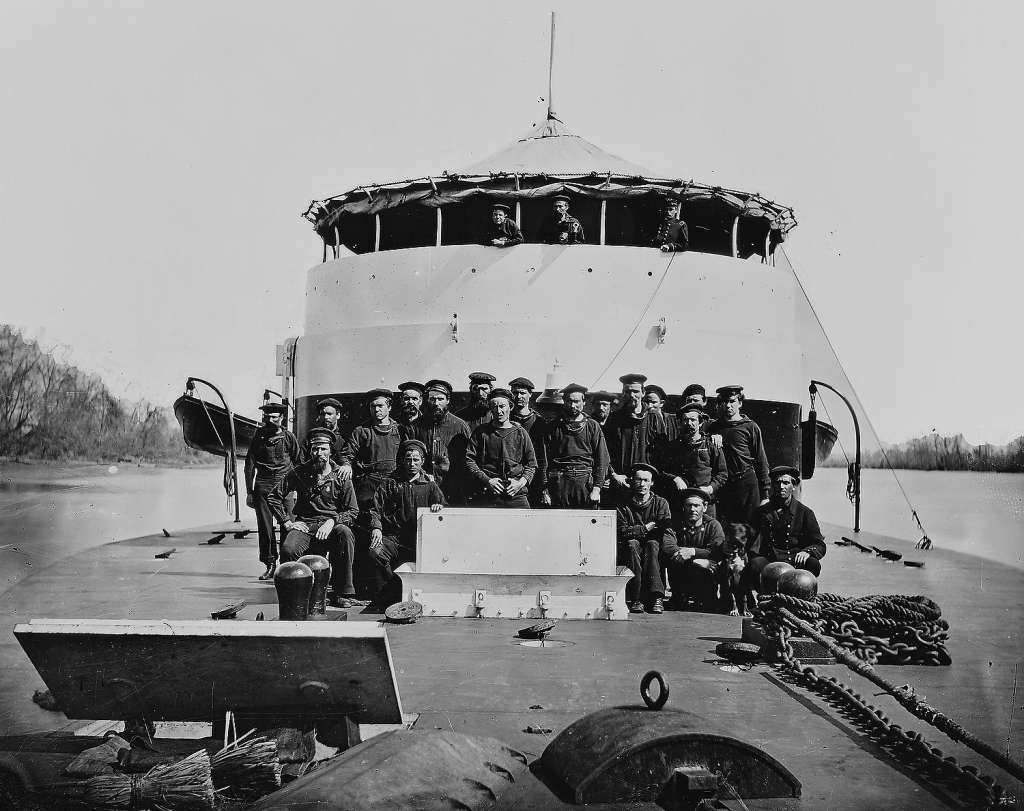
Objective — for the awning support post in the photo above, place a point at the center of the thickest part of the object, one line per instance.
(735, 238)
(437, 240)
(604, 211)
(376, 232)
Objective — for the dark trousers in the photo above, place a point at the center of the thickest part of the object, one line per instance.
(386, 586)
(339, 548)
(520, 501)
(643, 558)
(269, 506)
(694, 578)
(739, 498)
(570, 489)
(758, 562)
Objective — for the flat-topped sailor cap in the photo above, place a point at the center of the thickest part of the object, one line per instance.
(560, 197)
(500, 393)
(633, 377)
(500, 207)
(692, 389)
(657, 390)
(412, 444)
(274, 408)
(572, 388)
(604, 397)
(643, 466)
(728, 391)
(521, 383)
(481, 377)
(321, 436)
(373, 394)
(693, 492)
(442, 386)
(785, 470)
(328, 401)
(686, 408)
(411, 385)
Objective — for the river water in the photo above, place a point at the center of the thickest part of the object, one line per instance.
(49, 512)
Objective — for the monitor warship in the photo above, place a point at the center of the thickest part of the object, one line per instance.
(405, 291)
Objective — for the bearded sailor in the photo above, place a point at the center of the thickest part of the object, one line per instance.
(478, 411)
(574, 455)
(445, 437)
(371, 452)
(632, 430)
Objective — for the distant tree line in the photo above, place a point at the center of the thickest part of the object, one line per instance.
(936, 452)
(53, 410)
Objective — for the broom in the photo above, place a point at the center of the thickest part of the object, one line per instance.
(182, 786)
(248, 768)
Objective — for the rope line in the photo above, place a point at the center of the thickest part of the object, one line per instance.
(925, 542)
(636, 326)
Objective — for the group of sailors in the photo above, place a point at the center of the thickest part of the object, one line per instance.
(561, 228)
(693, 495)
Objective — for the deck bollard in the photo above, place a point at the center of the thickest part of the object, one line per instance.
(294, 582)
(321, 569)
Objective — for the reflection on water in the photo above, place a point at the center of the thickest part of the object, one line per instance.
(50, 512)
(977, 513)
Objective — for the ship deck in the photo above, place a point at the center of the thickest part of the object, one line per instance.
(472, 676)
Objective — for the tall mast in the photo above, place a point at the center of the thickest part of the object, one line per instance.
(551, 71)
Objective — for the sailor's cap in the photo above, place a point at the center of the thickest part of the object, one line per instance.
(694, 388)
(728, 391)
(442, 386)
(693, 492)
(409, 444)
(573, 388)
(657, 390)
(411, 385)
(633, 377)
(521, 383)
(643, 466)
(563, 197)
(274, 408)
(373, 394)
(500, 207)
(321, 436)
(604, 397)
(686, 408)
(481, 377)
(328, 401)
(785, 470)
(500, 393)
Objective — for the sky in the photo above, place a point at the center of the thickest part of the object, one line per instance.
(155, 159)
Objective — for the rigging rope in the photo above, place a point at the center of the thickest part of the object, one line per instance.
(228, 481)
(636, 326)
(925, 542)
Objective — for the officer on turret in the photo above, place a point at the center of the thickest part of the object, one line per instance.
(673, 234)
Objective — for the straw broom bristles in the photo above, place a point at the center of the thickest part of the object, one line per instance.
(247, 767)
(181, 786)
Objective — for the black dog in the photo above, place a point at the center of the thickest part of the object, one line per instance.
(731, 582)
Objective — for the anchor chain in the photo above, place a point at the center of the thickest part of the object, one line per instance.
(980, 791)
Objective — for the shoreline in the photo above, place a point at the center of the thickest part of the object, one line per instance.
(27, 463)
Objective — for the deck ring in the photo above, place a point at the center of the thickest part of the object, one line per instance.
(645, 690)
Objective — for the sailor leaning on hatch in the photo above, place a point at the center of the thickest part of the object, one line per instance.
(573, 456)
(503, 231)
(272, 453)
(324, 513)
(560, 228)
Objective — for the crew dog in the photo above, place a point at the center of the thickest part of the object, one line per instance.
(732, 585)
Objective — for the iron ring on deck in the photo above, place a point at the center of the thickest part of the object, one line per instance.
(645, 690)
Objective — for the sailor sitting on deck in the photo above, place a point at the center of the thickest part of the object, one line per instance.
(500, 459)
(644, 531)
(695, 553)
(503, 233)
(393, 519)
(560, 228)
(325, 509)
(673, 234)
(785, 529)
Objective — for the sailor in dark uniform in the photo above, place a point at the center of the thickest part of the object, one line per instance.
(478, 411)
(328, 416)
(601, 406)
(656, 400)
(560, 228)
(691, 460)
(695, 554)
(673, 234)
(371, 452)
(574, 455)
(632, 431)
(410, 395)
(445, 437)
(272, 453)
(785, 529)
(324, 513)
(393, 519)
(500, 459)
(503, 233)
(744, 456)
(644, 531)
(524, 414)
